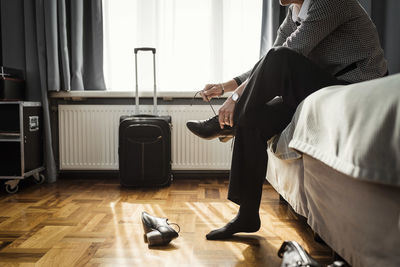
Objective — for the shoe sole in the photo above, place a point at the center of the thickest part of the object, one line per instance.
(225, 139)
(193, 131)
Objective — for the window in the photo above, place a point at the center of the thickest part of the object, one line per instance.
(197, 41)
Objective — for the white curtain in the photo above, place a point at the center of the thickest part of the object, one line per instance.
(197, 41)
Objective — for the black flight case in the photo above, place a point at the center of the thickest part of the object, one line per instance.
(21, 142)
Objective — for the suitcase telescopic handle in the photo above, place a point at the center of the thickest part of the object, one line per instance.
(145, 49)
(153, 50)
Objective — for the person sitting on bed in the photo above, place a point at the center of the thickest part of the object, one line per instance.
(320, 43)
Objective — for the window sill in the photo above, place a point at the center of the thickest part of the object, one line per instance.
(120, 94)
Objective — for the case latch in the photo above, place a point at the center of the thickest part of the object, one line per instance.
(33, 123)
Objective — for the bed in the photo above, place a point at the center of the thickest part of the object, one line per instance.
(338, 164)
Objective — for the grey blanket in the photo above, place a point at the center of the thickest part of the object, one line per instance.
(354, 129)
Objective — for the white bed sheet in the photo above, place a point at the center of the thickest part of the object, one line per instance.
(359, 220)
(322, 173)
(287, 177)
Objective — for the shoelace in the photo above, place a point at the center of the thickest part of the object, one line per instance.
(179, 228)
(169, 224)
(209, 102)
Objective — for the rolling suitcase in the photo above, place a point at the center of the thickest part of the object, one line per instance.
(145, 143)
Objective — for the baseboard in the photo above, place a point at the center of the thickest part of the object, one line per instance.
(115, 174)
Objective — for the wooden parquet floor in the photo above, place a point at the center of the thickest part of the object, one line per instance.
(97, 223)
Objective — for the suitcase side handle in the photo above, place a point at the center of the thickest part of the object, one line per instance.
(145, 49)
(153, 50)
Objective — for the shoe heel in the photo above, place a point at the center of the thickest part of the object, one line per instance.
(145, 238)
(155, 238)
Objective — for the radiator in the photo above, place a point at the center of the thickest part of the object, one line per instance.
(88, 138)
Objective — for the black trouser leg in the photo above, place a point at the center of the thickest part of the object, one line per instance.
(282, 72)
(247, 177)
(249, 159)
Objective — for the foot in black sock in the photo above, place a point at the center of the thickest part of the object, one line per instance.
(240, 223)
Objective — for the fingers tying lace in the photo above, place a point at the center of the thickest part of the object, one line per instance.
(209, 102)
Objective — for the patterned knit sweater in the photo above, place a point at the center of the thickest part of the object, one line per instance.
(337, 35)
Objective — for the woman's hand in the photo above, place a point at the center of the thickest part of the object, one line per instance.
(225, 113)
(210, 91)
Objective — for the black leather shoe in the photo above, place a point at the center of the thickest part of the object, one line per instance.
(157, 230)
(209, 129)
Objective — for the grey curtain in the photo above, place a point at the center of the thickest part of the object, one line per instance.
(273, 15)
(64, 45)
(382, 12)
(70, 43)
(385, 14)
